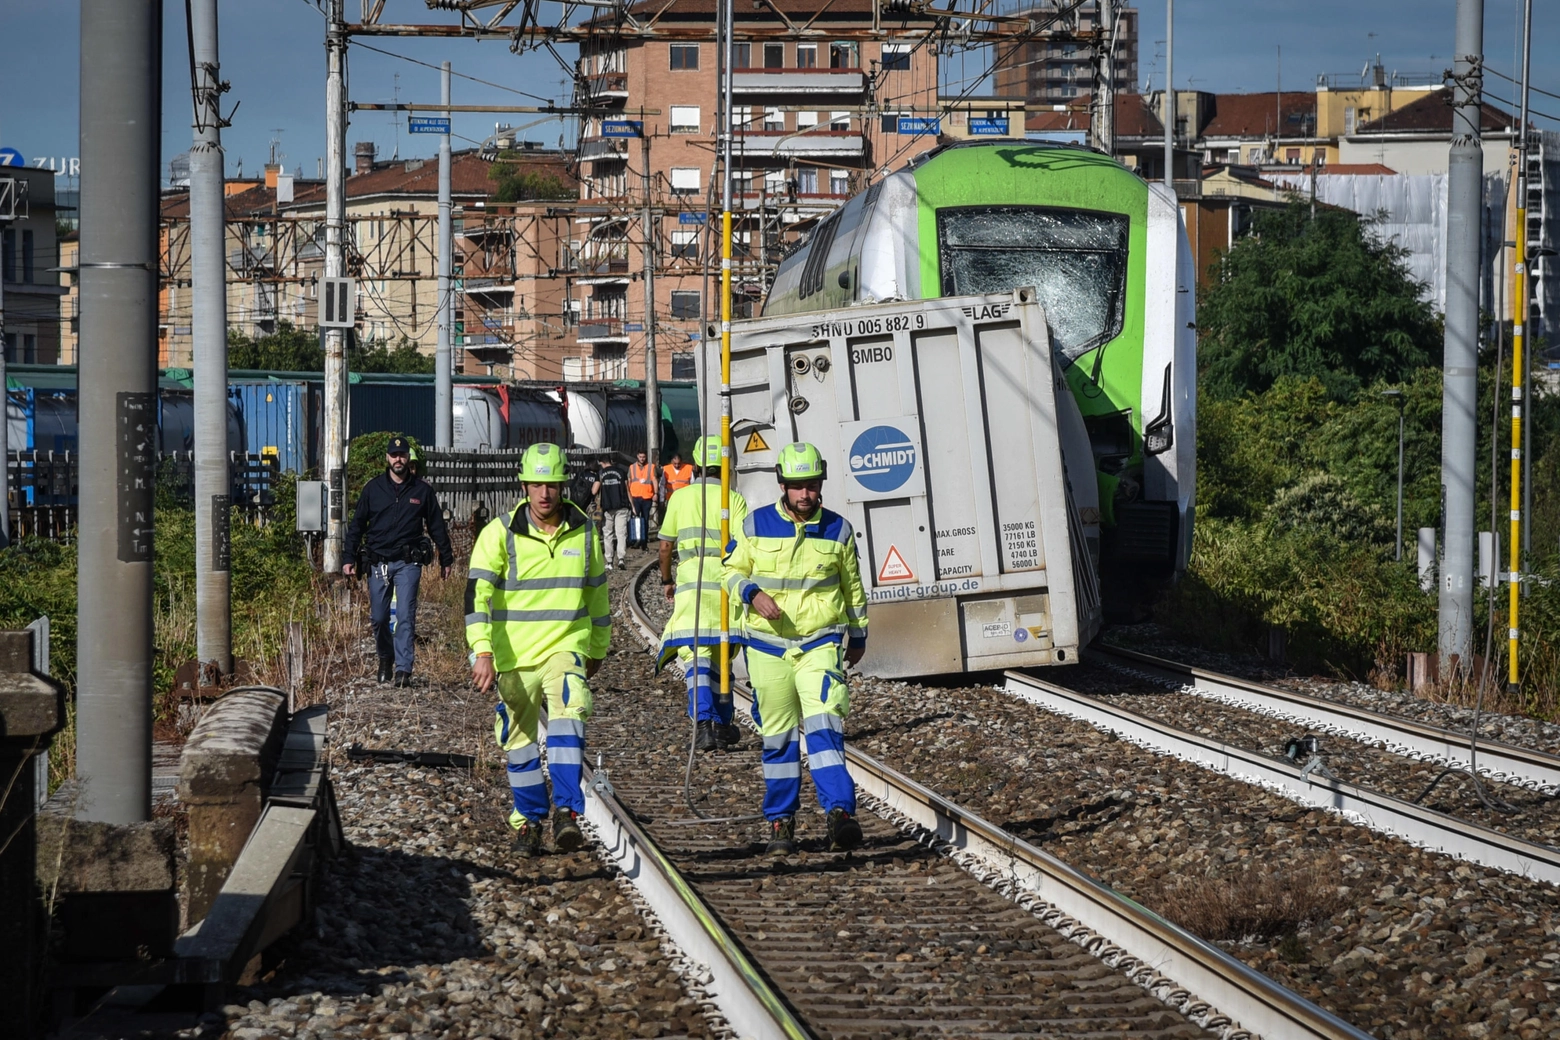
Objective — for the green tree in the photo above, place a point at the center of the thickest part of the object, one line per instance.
(515, 183)
(379, 356)
(288, 349)
(1323, 299)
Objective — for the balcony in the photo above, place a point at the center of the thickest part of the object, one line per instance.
(487, 287)
(602, 330)
(595, 149)
(774, 82)
(603, 270)
(607, 86)
(840, 144)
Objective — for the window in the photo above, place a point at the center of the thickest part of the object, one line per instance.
(774, 119)
(774, 55)
(844, 56)
(839, 184)
(685, 119)
(1348, 121)
(742, 55)
(8, 255)
(896, 56)
(839, 120)
(774, 182)
(806, 119)
(1292, 156)
(685, 365)
(807, 55)
(1076, 261)
(685, 56)
(685, 245)
(685, 303)
(27, 255)
(685, 180)
(890, 122)
(807, 180)
(741, 117)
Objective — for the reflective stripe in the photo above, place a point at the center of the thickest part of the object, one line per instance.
(708, 552)
(564, 756)
(509, 547)
(776, 741)
(782, 770)
(540, 615)
(856, 613)
(824, 759)
(520, 756)
(600, 579)
(477, 619)
(566, 728)
(482, 575)
(777, 645)
(802, 584)
(522, 778)
(814, 723)
(697, 586)
(601, 622)
(711, 534)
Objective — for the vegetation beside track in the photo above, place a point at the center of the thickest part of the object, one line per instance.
(1305, 327)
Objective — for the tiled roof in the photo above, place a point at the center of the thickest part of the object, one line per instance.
(1432, 115)
(1134, 118)
(1254, 115)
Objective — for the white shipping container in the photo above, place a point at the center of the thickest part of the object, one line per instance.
(957, 452)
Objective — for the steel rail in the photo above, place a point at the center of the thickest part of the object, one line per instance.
(1381, 812)
(1255, 1001)
(1505, 762)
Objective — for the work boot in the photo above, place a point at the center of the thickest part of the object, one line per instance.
(528, 839)
(844, 831)
(782, 836)
(728, 733)
(704, 738)
(386, 668)
(566, 833)
(403, 678)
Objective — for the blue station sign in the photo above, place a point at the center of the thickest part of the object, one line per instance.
(988, 127)
(919, 125)
(692, 218)
(427, 125)
(621, 128)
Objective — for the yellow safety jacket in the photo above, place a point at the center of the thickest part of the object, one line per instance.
(811, 571)
(692, 522)
(530, 595)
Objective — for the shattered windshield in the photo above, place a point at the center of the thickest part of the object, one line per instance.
(1076, 261)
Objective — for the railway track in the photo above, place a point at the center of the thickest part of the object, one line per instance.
(898, 937)
(1378, 785)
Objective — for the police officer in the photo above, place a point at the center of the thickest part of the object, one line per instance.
(538, 620)
(388, 529)
(795, 570)
(692, 527)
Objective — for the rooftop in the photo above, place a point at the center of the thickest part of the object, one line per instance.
(1261, 115)
(1432, 114)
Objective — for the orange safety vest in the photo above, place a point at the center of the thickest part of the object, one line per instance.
(639, 483)
(677, 478)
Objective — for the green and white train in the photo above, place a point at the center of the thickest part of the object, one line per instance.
(1108, 257)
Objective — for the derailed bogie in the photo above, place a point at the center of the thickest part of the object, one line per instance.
(960, 458)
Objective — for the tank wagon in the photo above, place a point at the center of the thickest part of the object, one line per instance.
(1108, 258)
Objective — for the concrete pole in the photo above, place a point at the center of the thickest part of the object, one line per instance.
(652, 389)
(443, 362)
(1104, 129)
(208, 304)
(1459, 394)
(335, 448)
(1170, 95)
(121, 129)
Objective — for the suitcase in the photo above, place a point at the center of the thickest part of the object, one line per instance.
(637, 534)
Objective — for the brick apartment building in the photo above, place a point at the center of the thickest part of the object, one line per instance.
(823, 92)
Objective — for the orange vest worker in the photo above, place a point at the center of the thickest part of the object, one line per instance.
(677, 478)
(639, 483)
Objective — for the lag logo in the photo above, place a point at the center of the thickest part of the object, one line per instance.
(882, 458)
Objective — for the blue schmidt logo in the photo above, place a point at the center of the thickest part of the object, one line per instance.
(882, 458)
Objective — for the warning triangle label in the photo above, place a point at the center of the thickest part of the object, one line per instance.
(755, 442)
(894, 567)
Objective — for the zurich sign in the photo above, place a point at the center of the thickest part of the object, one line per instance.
(882, 458)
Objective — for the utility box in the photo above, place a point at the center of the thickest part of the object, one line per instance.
(959, 455)
(313, 506)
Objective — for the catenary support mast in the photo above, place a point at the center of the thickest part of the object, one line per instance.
(1460, 383)
(1104, 96)
(121, 106)
(1170, 95)
(208, 320)
(444, 362)
(652, 384)
(335, 435)
(727, 454)
(1519, 395)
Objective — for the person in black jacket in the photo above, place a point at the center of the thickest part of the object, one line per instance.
(388, 528)
(611, 490)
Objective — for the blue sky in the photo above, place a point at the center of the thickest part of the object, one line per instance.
(273, 53)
